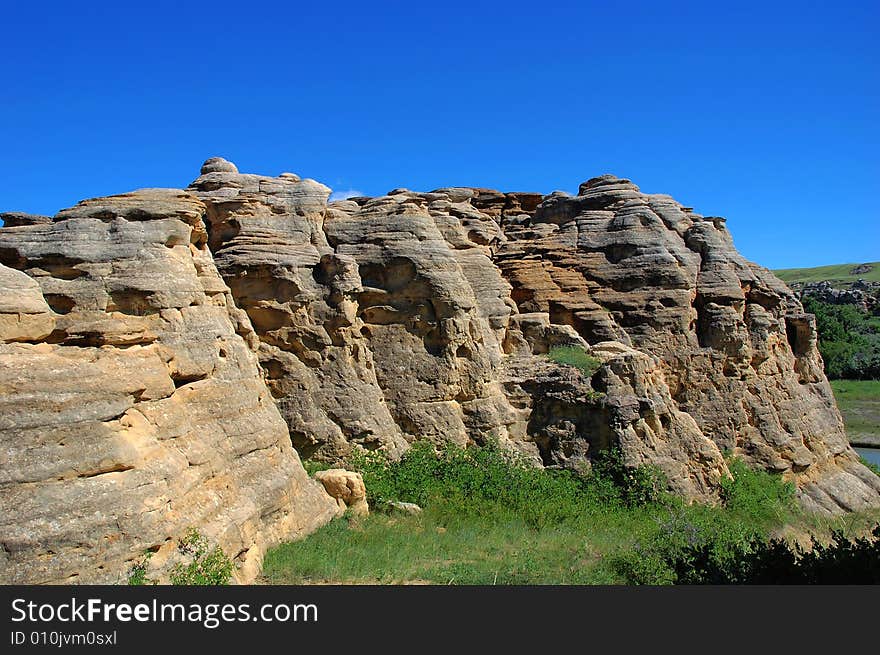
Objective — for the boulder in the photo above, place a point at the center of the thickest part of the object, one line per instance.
(346, 488)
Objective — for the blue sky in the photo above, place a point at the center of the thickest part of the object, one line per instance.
(766, 113)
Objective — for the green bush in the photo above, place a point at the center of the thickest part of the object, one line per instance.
(699, 543)
(496, 483)
(206, 565)
(577, 357)
(759, 561)
(492, 517)
(137, 575)
(762, 496)
(488, 481)
(849, 340)
(640, 485)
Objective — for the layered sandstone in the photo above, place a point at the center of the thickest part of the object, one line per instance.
(160, 351)
(132, 406)
(737, 351)
(426, 316)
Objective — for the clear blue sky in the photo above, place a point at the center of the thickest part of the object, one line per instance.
(764, 112)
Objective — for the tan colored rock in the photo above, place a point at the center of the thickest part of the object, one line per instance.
(425, 315)
(24, 314)
(407, 508)
(381, 321)
(346, 488)
(301, 297)
(736, 350)
(144, 412)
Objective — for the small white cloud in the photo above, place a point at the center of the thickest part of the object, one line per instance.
(345, 195)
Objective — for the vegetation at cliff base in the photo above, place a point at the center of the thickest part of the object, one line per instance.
(202, 564)
(489, 517)
(849, 340)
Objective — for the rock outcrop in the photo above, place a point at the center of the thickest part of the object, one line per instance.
(736, 350)
(426, 316)
(862, 294)
(162, 349)
(132, 407)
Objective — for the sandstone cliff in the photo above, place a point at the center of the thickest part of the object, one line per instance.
(131, 402)
(160, 350)
(426, 315)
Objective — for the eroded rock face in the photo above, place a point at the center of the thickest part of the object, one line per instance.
(133, 327)
(370, 327)
(426, 316)
(736, 350)
(132, 404)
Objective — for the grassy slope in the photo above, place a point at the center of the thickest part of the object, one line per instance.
(527, 527)
(835, 273)
(859, 402)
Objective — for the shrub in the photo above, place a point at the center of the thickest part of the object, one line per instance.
(849, 340)
(207, 566)
(842, 561)
(137, 575)
(702, 545)
(497, 484)
(577, 357)
(487, 481)
(762, 496)
(636, 485)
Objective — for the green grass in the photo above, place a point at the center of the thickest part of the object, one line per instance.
(859, 402)
(838, 273)
(490, 519)
(577, 357)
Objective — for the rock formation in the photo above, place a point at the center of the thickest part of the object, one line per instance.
(132, 405)
(160, 350)
(347, 489)
(426, 316)
(862, 294)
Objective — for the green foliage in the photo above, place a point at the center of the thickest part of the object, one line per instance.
(842, 561)
(684, 537)
(207, 566)
(577, 357)
(859, 402)
(487, 481)
(849, 340)
(137, 575)
(758, 494)
(871, 466)
(754, 502)
(636, 486)
(312, 466)
(490, 517)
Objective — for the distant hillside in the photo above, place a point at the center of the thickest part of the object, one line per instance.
(836, 274)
